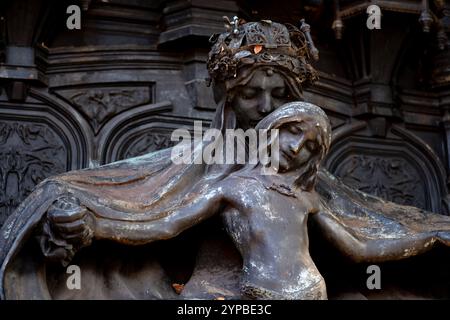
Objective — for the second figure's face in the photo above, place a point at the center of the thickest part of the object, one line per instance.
(265, 92)
(298, 143)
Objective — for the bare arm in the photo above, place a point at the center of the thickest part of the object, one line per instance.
(369, 229)
(70, 226)
(374, 248)
(169, 224)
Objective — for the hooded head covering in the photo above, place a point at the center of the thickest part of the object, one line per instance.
(248, 47)
(133, 190)
(302, 112)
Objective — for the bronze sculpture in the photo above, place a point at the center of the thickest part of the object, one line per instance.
(255, 70)
(269, 222)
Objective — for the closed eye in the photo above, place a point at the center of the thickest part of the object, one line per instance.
(248, 93)
(280, 93)
(294, 129)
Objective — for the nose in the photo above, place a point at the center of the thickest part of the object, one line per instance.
(265, 104)
(296, 145)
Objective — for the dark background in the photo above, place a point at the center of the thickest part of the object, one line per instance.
(135, 71)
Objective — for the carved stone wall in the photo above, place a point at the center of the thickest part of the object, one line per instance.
(36, 142)
(393, 169)
(99, 103)
(135, 71)
(30, 152)
(146, 142)
(385, 175)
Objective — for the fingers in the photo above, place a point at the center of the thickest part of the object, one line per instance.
(58, 215)
(69, 220)
(83, 237)
(73, 231)
(71, 227)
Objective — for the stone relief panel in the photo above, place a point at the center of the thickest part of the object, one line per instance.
(394, 170)
(391, 178)
(149, 141)
(138, 131)
(29, 153)
(100, 103)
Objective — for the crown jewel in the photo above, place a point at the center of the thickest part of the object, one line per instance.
(262, 43)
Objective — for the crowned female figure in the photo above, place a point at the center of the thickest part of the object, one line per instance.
(108, 220)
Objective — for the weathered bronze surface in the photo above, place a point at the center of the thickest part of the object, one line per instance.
(106, 219)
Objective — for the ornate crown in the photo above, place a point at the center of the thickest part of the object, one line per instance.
(262, 43)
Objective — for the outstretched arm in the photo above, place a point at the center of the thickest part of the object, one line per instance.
(369, 229)
(168, 224)
(70, 226)
(364, 242)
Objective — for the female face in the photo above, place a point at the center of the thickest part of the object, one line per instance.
(265, 92)
(298, 143)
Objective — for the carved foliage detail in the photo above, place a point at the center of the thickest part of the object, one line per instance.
(391, 178)
(148, 142)
(255, 34)
(29, 153)
(280, 35)
(102, 103)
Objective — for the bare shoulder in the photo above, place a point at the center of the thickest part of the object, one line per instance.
(237, 185)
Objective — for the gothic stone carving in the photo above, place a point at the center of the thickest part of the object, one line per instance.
(391, 178)
(394, 170)
(99, 104)
(148, 142)
(29, 153)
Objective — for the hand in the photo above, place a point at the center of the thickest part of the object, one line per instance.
(67, 228)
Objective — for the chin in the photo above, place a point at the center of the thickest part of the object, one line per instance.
(283, 166)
